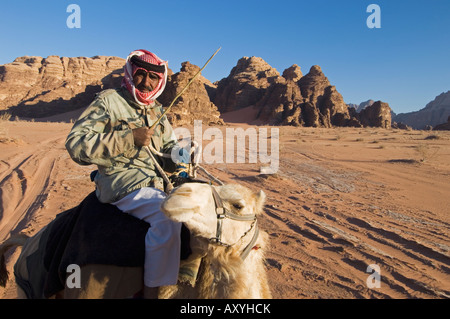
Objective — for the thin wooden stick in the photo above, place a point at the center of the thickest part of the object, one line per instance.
(169, 185)
(184, 89)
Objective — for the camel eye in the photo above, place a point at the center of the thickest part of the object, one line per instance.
(237, 206)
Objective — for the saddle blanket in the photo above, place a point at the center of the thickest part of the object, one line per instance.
(90, 233)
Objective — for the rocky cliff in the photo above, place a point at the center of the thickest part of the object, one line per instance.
(281, 97)
(434, 113)
(377, 114)
(246, 84)
(443, 126)
(328, 104)
(195, 103)
(359, 107)
(288, 99)
(36, 87)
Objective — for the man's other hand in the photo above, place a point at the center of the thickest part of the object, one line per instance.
(142, 136)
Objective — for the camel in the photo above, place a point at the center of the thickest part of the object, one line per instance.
(225, 241)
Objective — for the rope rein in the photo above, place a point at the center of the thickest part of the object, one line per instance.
(150, 150)
(194, 167)
(192, 173)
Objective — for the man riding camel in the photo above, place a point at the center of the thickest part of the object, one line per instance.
(112, 133)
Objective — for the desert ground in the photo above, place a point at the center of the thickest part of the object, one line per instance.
(341, 200)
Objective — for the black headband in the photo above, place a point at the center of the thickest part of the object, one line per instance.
(148, 66)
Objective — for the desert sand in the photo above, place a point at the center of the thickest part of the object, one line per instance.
(342, 199)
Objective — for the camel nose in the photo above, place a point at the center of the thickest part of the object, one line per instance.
(179, 205)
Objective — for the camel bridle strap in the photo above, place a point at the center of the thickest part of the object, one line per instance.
(223, 213)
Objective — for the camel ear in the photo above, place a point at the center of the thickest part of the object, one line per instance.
(260, 200)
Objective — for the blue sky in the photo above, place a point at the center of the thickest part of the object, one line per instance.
(405, 63)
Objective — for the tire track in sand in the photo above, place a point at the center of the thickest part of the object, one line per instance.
(24, 185)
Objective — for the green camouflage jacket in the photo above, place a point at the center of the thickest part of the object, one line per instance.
(103, 136)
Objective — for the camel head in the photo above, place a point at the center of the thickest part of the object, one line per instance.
(194, 205)
(223, 243)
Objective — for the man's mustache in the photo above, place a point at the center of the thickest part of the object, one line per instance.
(145, 88)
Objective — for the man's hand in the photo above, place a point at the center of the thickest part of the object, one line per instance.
(142, 136)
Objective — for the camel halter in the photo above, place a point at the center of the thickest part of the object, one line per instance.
(222, 213)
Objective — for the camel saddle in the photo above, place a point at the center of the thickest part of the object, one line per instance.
(90, 233)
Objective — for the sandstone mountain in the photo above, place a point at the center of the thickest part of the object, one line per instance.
(321, 98)
(36, 87)
(195, 103)
(290, 99)
(434, 113)
(245, 85)
(377, 114)
(361, 106)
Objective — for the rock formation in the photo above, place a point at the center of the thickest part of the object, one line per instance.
(403, 126)
(293, 73)
(361, 106)
(444, 126)
(37, 87)
(245, 85)
(317, 91)
(434, 113)
(319, 105)
(281, 99)
(308, 100)
(376, 115)
(291, 99)
(195, 103)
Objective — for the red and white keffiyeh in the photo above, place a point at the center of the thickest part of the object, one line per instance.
(150, 62)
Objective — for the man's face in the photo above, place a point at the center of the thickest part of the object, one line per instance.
(145, 81)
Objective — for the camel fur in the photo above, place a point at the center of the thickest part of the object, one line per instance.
(222, 272)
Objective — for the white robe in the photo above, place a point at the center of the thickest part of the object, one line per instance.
(162, 242)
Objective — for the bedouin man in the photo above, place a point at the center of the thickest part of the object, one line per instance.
(112, 133)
